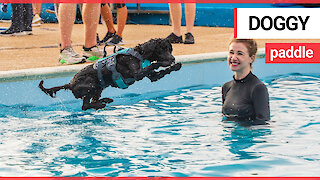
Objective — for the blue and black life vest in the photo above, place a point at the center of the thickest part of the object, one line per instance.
(110, 62)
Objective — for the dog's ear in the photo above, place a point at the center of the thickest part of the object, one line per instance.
(165, 44)
(166, 41)
(148, 48)
(168, 44)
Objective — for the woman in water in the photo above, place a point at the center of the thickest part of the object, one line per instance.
(245, 98)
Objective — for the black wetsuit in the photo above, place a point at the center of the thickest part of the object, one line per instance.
(246, 100)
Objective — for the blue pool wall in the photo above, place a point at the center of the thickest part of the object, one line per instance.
(213, 15)
(193, 75)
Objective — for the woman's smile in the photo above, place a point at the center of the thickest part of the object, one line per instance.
(234, 63)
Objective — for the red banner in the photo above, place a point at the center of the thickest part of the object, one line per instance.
(159, 178)
(161, 1)
(289, 53)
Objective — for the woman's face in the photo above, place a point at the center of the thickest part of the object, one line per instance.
(238, 57)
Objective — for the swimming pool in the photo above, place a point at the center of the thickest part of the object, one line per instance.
(172, 127)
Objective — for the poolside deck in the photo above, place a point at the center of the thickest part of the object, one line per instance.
(41, 48)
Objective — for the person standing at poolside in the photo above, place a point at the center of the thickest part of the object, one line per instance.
(67, 15)
(20, 21)
(114, 37)
(245, 98)
(36, 21)
(176, 14)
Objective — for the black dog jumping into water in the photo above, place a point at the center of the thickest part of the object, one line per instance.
(119, 70)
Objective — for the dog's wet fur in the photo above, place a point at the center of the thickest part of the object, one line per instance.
(86, 86)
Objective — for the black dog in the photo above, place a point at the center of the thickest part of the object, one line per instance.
(121, 70)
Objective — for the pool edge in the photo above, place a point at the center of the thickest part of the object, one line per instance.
(48, 72)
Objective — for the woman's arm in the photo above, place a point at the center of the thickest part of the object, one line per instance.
(225, 89)
(260, 98)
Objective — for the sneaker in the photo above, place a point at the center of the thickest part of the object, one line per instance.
(11, 32)
(189, 39)
(36, 21)
(93, 53)
(107, 37)
(4, 7)
(115, 40)
(69, 56)
(27, 32)
(174, 38)
(51, 10)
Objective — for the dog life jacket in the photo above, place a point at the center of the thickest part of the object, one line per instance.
(110, 62)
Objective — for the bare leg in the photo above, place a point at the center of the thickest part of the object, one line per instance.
(176, 14)
(106, 15)
(122, 14)
(36, 8)
(190, 13)
(67, 15)
(91, 13)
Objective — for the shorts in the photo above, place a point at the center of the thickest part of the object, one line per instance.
(117, 5)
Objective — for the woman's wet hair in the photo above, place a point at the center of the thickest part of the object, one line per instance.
(250, 44)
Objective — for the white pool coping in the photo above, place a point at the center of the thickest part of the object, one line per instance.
(184, 59)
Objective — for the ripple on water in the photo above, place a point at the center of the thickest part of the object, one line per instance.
(176, 133)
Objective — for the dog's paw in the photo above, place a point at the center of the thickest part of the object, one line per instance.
(153, 79)
(176, 67)
(155, 65)
(100, 107)
(106, 100)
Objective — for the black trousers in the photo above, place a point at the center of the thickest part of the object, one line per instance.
(21, 17)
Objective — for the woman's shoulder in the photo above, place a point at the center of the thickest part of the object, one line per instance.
(227, 84)
(258, 85)
(256, 80)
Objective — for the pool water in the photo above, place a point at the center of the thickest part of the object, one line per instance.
(177, 131)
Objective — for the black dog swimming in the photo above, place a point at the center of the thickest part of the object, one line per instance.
(119, 70)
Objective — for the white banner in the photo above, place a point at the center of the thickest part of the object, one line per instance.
(277, 23)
